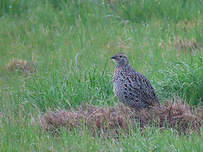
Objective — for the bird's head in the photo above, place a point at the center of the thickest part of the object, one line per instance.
(120, 60)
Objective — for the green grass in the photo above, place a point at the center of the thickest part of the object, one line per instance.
(71, 43)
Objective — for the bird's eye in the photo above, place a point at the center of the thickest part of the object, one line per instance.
(120, 56)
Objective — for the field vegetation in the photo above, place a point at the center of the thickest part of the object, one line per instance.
(55, 54)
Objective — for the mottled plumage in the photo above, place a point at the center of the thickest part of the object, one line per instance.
(131, 87)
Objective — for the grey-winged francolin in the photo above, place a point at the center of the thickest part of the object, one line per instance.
(131, 87)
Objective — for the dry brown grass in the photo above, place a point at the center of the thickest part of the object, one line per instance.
(20, 65)
(181, 45)
(187, 25)
(185, 45)
(108, 120)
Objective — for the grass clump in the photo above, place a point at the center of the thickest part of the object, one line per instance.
(20, 65)
(183, 80)
(185, 45)
(71, 89)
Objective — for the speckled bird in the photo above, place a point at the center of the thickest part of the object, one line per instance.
(131, 87)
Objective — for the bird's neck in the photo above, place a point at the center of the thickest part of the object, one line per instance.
(127, 66)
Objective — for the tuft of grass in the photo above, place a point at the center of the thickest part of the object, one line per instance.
(58, 91)
(185, 45)
(20, 65)
(183, 80)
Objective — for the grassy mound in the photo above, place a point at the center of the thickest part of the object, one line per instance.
(107, 120)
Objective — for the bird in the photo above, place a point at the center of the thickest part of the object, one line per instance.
(131, 87)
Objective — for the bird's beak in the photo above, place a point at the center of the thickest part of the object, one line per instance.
(113, 57)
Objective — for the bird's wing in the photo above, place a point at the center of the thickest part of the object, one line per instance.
(143, 87)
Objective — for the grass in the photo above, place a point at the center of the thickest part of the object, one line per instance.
(70, 43)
